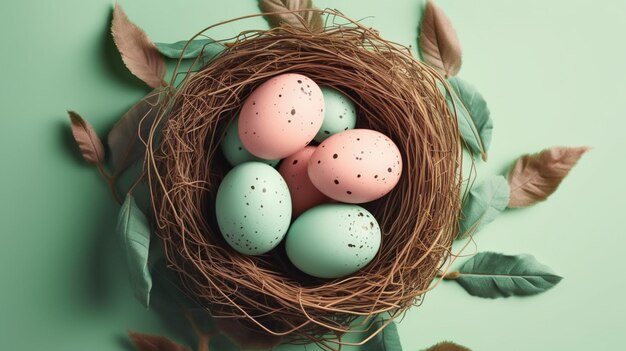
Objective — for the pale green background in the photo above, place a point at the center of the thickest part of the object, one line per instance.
(551, 71)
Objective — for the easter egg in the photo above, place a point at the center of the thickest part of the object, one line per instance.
(253, 208)
(356, 166)
(234, 151)
(304, 194)
(281, 116)
(333, 240)
(339, 114)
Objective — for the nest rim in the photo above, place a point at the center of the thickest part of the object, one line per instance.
(232, 285)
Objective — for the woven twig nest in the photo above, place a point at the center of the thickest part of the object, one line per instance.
(394, 94)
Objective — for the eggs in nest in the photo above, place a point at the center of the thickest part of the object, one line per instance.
(326, 168)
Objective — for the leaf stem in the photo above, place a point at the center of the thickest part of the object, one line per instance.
(203, 337)
(110, 182)
(451, 275)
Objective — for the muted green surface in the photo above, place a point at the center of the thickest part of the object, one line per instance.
(552, 73)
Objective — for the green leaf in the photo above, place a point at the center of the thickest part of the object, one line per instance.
(387, 340)
(128, 136)
(475, 123)
(490, 274)
(483, 205)
(134, 231)
(208, 48)
(447, 346)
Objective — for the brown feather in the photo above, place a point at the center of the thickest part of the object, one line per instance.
(535, 177)
(311, 20)
(439, 43)
(88, 142)
(138, 52)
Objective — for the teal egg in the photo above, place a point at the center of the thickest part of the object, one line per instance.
(339, 114)
(253, 208)
(233, 149)
(333, 240)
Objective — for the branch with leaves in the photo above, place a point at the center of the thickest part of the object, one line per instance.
(128, 138)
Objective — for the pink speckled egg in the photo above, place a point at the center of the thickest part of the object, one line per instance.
(304, 194)
(281, 116)
(356, 166)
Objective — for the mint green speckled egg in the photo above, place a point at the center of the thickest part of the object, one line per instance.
(253, 208)
(233, 149)
(333, 240)
(339, 114)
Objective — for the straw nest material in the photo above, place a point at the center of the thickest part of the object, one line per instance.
(394, 94)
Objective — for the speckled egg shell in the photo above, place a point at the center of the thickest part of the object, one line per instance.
(304, 194)
(253, 208)
(234, 151)
(333, 240)
(281, 116)
(356, 166)
(339, 114)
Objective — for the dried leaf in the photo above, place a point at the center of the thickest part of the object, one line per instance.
(447, 346)
(311, 20)
(134, 230)
(139, 54)
(535, 177)
(475, 123)
(492, 275)
(439, 44)
(128, 136)
(88, 142)
(147, 342)
(485, 202)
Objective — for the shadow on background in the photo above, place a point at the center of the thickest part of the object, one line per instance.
(102, 256)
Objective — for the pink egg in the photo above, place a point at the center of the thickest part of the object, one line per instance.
(356, 166)
(304, 194)
(281, 116)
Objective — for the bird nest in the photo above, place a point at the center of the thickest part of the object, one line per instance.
(395, 94)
